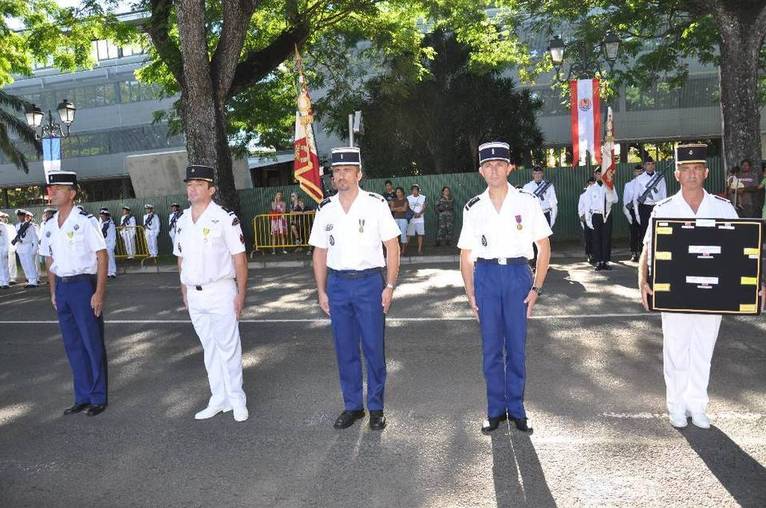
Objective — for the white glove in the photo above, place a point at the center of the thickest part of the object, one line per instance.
(627, 214)
(589, 221)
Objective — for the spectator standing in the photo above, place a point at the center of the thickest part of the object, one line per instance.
(445, 209)
(417, 225)
(400, 207)
(278, 222)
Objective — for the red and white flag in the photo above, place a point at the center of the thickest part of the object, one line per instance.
(586, 120)
(306, 168)
(608, 162)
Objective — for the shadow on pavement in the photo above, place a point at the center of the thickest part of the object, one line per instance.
(516, 470)
(742, 476)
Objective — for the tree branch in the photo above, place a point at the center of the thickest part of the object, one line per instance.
(158, 30)
(236, 19)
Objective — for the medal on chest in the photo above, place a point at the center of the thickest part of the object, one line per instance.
(483, 240)
(332, 240)
(361, 225)
(519, 226)
(205, 233)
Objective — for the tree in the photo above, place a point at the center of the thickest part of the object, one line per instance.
(658, 34)
(435, 125)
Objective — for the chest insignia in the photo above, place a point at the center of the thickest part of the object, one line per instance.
(519, 225)
(48, 234)
(484, 240)
(76, 227)
(332, 240)
(328, 227)
(70, 234)
(361, 225)
(205, 233)
(179, 248)
(214, 221)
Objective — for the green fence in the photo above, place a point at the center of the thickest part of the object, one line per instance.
(568, 182)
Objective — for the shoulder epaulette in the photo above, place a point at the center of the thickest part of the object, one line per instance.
(721, 198)
(522, 191)
(377, 196)
(323, 203)
(660, 203)
(472, 202)
(230, 212)
(83, 212)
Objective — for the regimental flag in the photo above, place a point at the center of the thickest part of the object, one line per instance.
(586, 120)
(608, 165)
(51, 155)
(306, 168)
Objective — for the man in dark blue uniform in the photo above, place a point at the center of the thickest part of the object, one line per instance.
(499, 227)
(348, 233)
(76, 259)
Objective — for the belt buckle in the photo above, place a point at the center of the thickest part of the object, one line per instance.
(502, 261)
(198, 288)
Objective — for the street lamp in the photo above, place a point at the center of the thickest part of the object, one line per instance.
(611, 49)
(51, 129)
(556, 50)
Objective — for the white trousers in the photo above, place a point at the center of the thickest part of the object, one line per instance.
(4, 275)
(151, 244)
(212, 314)
(112, 264)
(28, 264)
(12, 268)
(687, 348)
(129, 239)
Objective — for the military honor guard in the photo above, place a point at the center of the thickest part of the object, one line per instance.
(109, 230)
(151, 230)
(175, 214)
(648, 189)
(600, 199)
(628, 208)
(212, 263)
(26, 242)
(76, 261)
(10, 234)
(583, 212)
(499, 228)
(545, 192)
(128, 232)
(5, 243)
(355, 284)
(688, 338)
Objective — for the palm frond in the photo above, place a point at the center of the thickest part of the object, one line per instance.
(13, 101)
(10, 150)
(21, 129)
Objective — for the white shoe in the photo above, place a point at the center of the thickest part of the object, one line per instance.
(678, 420)
(701, 420)
(210, 412)
(240, 414)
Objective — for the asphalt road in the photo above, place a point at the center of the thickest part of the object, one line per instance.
(595, 397)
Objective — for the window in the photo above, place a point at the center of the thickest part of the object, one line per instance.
(105, 50)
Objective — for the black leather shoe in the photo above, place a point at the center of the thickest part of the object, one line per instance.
(606, 266)
(492, 423)
(95, 409)
(377, 420)
(76, 408)
(521, 424)
(599, 266)
(347, 419)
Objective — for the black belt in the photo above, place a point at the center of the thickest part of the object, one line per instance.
(503, 261)
(76, 278)
(356, 274)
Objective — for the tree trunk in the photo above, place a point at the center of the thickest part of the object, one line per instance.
(742, 34)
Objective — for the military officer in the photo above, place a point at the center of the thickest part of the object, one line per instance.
(630, 213)
(583, 212)
(175, 214)
(109, 230)
(651, 197)
(151, 230)
(688, 339)
(26, 243)
(212, 263)
(355, 284)
(5, 243)
(76, 261)
(600, 199)
(545, 192)
(499, 227)
(128, 232)
(10, 234)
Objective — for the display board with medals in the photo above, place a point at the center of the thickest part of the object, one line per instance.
(707, 265)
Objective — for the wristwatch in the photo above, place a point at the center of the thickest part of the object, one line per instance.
(389, 285)
(538, 290)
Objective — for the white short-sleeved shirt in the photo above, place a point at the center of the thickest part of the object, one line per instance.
(507, 234)
(354, 240)
(627, 192)
(676, 207)
(599, 198)
(73, 246)
(206, 247)
(548, 201)
(416, 205)
(639, 186)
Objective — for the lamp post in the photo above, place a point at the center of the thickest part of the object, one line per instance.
(582, 65)
(51, 129)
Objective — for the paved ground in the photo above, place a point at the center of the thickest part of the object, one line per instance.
(595, 397)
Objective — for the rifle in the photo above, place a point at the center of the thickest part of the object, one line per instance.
(651, 186)
(22, 233)
(540, 191)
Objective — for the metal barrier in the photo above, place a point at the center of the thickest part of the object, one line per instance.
(131, 244)
(281, 230)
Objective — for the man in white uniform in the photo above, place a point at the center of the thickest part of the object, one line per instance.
(632, 215)
(417, 225)
(109, 231)
(128, 232)
(546, 193)
(688, 339)
(583, 212)
(212, 264)
(600, 199)
(10, 234)
(26, 242)
(651, 196)
(5, 243)
(175, 214)
(151, 230)
(348, 234)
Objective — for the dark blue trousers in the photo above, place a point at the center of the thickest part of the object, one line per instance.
(357, 317)
(500, 291)
(83, 335)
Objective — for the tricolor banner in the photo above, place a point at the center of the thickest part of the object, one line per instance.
(306, 168)
(586, 120)
(51, 155)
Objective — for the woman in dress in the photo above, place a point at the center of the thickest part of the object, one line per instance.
(278, 222)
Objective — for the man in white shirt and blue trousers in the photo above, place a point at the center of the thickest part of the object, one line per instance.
(355, 284)
(499, 228)
(76, 259)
